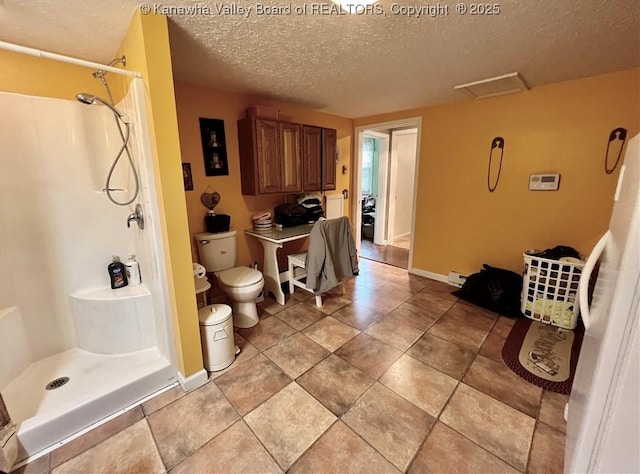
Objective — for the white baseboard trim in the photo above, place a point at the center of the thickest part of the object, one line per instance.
(193, 381)
(401, 236)
(431, 275)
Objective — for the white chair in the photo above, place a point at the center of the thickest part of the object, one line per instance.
(298, 275)
(333, 258)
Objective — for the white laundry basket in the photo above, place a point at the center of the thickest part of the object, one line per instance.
(550, 290)
(216, 333)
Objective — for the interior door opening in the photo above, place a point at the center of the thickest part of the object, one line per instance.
(387, 164)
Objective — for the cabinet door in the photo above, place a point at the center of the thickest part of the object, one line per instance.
(248, 156)
(311, 158)
(290, 141)
(269, 160)
(329, 151)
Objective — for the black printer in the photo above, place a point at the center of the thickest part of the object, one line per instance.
(306, 210)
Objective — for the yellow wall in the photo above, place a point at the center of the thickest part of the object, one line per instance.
(147, 49)
(196, 101)
(561, 128)
(32, 75)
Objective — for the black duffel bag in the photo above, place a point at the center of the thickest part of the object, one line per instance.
(495, 289)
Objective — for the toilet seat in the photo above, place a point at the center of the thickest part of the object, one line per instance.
(239, 277)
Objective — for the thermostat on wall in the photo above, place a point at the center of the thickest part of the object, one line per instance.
(544, 182)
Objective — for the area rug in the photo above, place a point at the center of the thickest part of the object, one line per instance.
(543, 354)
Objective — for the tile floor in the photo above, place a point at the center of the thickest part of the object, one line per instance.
(394, 376)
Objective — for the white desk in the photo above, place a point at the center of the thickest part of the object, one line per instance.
(272, 241)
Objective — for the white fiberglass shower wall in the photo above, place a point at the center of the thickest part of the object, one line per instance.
(58, 315)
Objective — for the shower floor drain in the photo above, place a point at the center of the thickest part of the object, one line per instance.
(57, 383)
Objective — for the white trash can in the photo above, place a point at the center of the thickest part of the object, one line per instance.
(216, 334)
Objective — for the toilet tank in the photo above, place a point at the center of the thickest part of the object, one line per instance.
(217, 251)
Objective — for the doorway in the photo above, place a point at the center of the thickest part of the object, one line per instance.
(386, 163)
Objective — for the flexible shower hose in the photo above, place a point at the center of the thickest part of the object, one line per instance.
(123, 149)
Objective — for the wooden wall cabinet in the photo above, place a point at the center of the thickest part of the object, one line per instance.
(291, 151)
(311, 158)
(319, 158)
(329, 154)
(270, 156)
(284, 157)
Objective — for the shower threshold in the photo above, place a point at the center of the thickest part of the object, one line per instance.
(98, 386)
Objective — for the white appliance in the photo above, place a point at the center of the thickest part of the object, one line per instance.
(603, 430)
(333, 206)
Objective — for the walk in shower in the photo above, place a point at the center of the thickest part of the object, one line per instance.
(73, 350)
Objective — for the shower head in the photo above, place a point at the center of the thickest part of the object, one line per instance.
(94, 99)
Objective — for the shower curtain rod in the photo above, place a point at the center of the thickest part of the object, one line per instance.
(65, 59)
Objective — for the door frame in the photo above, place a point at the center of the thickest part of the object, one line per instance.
(412, 122)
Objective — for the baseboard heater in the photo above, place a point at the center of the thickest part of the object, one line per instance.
(457, 279)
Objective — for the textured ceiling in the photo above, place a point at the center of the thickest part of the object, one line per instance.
(351, 65)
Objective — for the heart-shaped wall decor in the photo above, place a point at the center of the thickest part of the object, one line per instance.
(210, 200)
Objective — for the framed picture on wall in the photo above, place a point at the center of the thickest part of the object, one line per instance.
(214, 147)
(187, 176)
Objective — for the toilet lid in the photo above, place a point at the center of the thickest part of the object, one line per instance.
(239, 276)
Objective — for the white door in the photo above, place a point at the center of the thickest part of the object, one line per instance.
(381, 177)
(404, 145)
(593, 429)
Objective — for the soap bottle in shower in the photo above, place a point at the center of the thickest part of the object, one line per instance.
(117, 273)
(133, 270)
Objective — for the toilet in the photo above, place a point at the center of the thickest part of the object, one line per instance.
(241, 284)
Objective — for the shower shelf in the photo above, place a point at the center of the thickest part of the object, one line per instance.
(109, 294)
